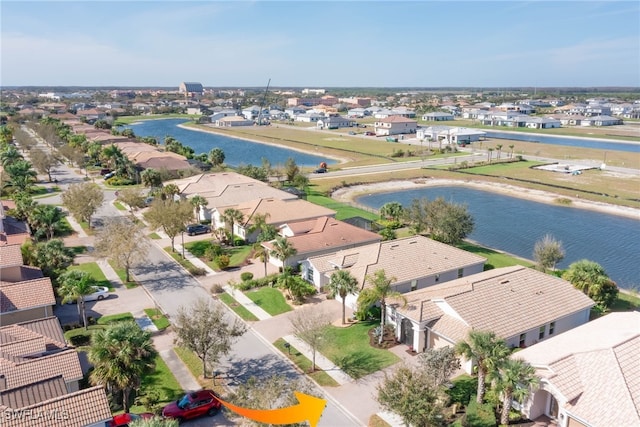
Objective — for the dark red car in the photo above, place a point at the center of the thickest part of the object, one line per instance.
(123, 420)
(192, 405)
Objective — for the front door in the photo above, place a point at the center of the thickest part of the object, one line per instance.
(553, 407)
(407, 332)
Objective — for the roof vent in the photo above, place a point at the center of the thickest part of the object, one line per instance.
(504, 282)
(394, 246)
(411, 243)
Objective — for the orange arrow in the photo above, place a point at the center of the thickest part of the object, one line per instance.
(309, 408)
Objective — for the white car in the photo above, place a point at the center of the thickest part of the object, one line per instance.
(101, 293)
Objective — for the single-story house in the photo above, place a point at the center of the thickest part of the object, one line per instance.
(520, 305)
(395, 125)
(601, 121)
(231, 121)
(308, 117)
(589, 375)
(335, 122)
(414, 262)
(437, 116)
(320, 236)
(26, 300)
(450, 135)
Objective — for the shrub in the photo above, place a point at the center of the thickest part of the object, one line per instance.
(196, 271)
(223, 261)
(397, 153)
(217, 288)
(238, 241)
(480, 415)
(247, 275)
(463, 388)
(80, 339)
(118, 180)
(213, 251)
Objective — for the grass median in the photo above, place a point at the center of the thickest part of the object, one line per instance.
(319, 376)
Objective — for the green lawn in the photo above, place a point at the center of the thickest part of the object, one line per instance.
(113, 318)
(344, 211)
(155, 236)
(270, 300)
(322, 378)
(494, 259)
(237, 255)
(158, 319)
(77, 250)
(96, 272)
(162, 381)
(119, 206)
(194, 364)
(238, 308)
(349, 349)
(626, 302)
(121, 272)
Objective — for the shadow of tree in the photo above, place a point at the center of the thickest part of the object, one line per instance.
(357, 365)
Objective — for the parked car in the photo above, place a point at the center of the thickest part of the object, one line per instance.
(101, 293)
(194, 229)
(369, 133)
(148, 201)
(192, 405)
(320, 170)
(123, 420)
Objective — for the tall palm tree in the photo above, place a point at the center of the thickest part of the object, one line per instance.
(74, 286)
(21, 175)
(231, 217)
(10, 155)
(46, 219)
(283, 250)
(266, 231)
(511, 153)
(380, 290)
(198, 202)
(121, 354)
(342, 283)
(487, 350)
(514, 379)
(499, 150)
(262, 254)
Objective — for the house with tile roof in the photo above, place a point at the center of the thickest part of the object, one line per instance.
(520, 305)
(590, 375)
(415, 262)
(395, 125)
(319, 236)
(25, 300)
(277, 211)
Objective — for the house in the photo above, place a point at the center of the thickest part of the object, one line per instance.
(308, 117)
(358, 112)
(437, 116)
(25, 300)
(395, 125)
(191, 88)
(222, 113)
(251, 113)
(319, 236)
(294, 111)
(335, 122)
(450, 135)
(601, 121)
(278, 212)
(589, 375)
(232, 121)
(415, 262)
(520, 305)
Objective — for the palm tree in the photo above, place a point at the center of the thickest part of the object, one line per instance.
(380, 290)
(169, 191)
(198, 202)
(216, 156)
(392, 210)
(267, 231)
(74, 286)
(592, 279)
(514, 379)
(511, 153)
(46, 219)
(121, 354)
(489, 154)
(283, 250)
(262, 254)
(487, 350)
(10, 155)
(499, 150)
(342, 283)
(21, 175)
(232, 216)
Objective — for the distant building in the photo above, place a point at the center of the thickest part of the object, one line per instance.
(191, 88)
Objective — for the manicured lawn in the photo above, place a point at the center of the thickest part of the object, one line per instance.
(198, 248)
(319, 376)
(178, 257)
(494, 259)
(625, 302)
(77, 250)
(119, 206)
(270, 300)
(194, 364)
(158, 319)
(237, 255)
(113, 318)
(343, 211)
(349, 349)
(162, 381)
(121, 272)
(154, 236)
(238, 308)
(96, 272)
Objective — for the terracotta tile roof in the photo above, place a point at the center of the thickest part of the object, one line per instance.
(19, 273)
(47, 328)
(396, 119)
(450, 328)
(10, 255)
(25, 295)
(164, 162)
(595, 367)
(65, 363)
(328, 233)
(279, 211)
(81, 408)
(33, 393)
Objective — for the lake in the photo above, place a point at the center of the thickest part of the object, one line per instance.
(568, 141)
(514, 225)
(237, 151)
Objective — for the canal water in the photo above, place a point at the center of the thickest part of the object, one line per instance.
(599, 144)
(514, 225)
(237, 151)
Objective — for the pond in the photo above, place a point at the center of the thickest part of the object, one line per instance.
(237, 151)
(514, 225)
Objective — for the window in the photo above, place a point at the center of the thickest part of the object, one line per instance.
(414, 285)
(541, 332)
(552, 327)
(460, 272)
(310, 274)
(523, 339)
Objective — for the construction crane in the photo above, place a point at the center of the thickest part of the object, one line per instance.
(264, 100)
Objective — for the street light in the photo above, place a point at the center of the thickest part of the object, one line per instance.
(182, 244)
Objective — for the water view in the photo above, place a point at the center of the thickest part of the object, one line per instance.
(568, 141)
(237, 151)
(514, 225)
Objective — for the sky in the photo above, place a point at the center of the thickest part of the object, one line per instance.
(320, 43)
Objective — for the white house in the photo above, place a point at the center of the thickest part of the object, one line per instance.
(395, 125)
(437, 116)
(335, 122)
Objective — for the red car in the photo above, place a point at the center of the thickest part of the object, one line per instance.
(193, 405)
(123, 420)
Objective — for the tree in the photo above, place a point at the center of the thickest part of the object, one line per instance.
(300, 181)
(296, 286)
(43, 162)
(416, 215)
(342, 283)
(9, 155)
(83, 200)
(548, 252)
(592, 279)
(170, 216)
(259, 223)
(388, 234)
(205, 329)
(291, 169)
(409, 393)
(74, 286)
(24, 206)
(132, 197)
(151, 178)
(216, 156)
(448, 222)
(122, 242)
(489, 154)
(21, 175)
(52, 257)
(514, 379)
(198, 203)
(499, 151)
(311, 325)
(232, 216)
(392, 211)
(487, 350)
(511, 151)
(169, 191)
(379, 291)
(46, 220)
(439, 364)
(283, 250)
(122, 354)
